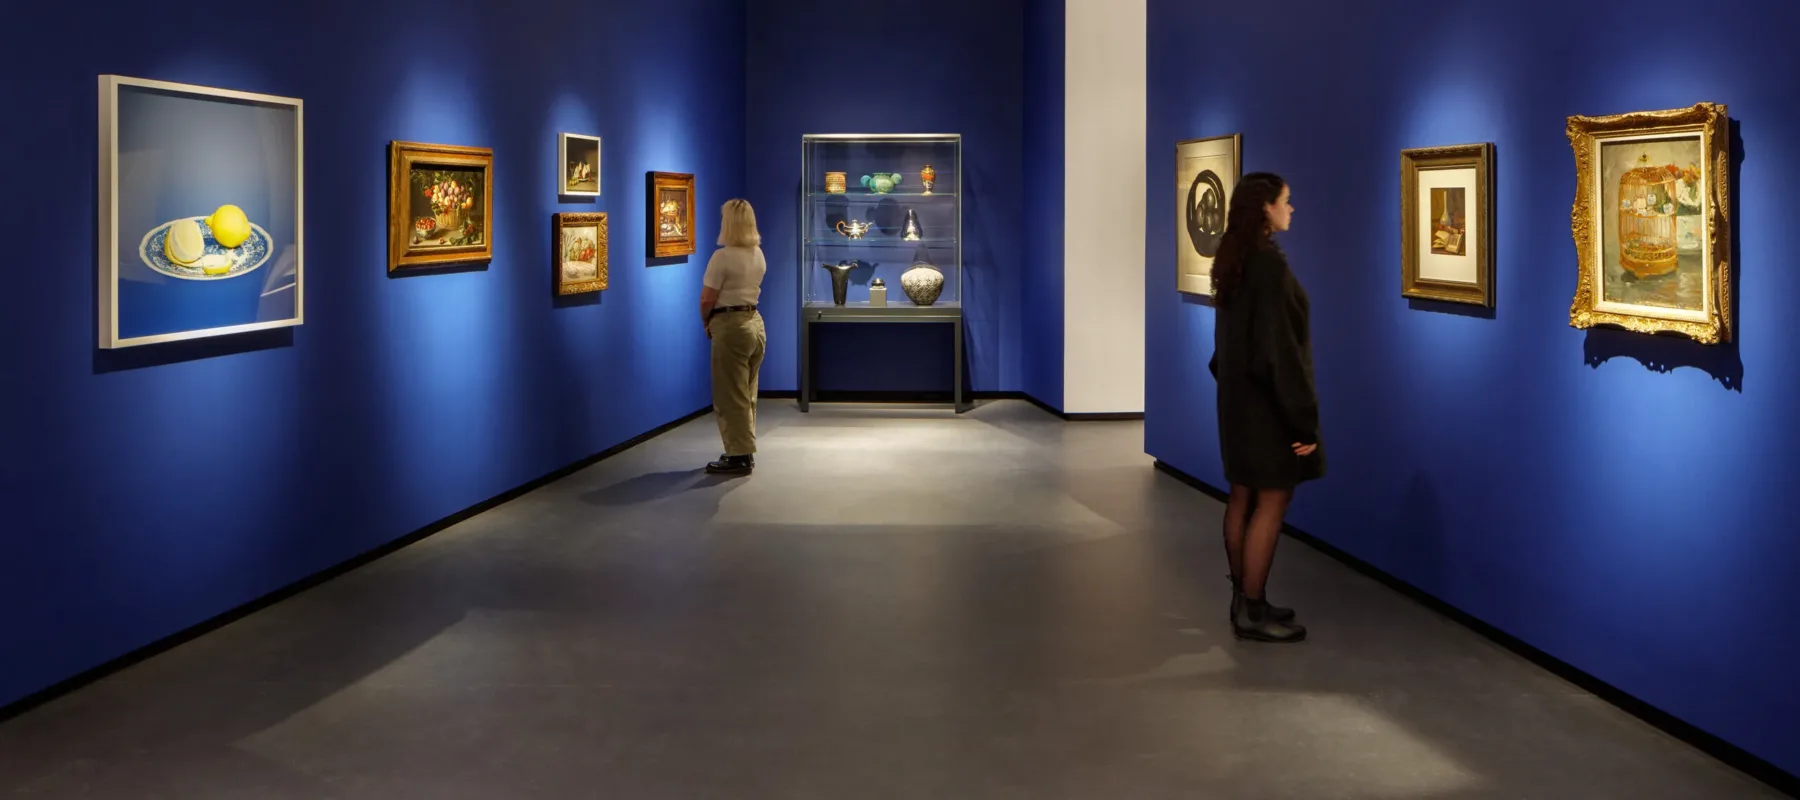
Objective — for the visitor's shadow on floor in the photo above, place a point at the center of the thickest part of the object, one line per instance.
(654, 486)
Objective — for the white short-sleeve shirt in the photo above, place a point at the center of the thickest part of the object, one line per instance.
(737, 272)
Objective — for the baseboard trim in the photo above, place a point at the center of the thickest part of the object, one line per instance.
(1730, 754)
(944, 397)
(170, 642)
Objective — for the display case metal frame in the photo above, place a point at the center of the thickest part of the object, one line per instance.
(814, 314)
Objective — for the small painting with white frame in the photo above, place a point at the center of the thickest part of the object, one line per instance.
(200, 212)
(579, 157)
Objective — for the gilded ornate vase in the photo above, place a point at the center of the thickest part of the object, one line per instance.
(923, 283)
(928, 176)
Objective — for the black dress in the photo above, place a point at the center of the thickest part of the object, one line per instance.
(1262, 359)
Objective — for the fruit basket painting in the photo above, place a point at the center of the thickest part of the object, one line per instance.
(440, 206)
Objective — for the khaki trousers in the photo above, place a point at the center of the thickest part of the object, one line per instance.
(738, 340)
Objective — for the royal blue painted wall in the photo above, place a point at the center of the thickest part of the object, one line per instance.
(148, 490)
(1619, 501)
(1041, 289)
(932, 66)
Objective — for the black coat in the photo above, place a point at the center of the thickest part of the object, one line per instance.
(1262, 359)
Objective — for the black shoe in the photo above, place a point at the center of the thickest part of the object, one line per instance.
(1253, 622)
(1278, 613)
(732, 465)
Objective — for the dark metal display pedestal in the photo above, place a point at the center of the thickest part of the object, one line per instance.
(943, 315)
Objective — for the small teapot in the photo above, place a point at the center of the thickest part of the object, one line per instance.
(881, 182)
(854, 228)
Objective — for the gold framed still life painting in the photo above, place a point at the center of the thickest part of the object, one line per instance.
(1447, 223)
(579, 244)
(671, 214)
(440, 205)
(1651, 222)
(1206, 172)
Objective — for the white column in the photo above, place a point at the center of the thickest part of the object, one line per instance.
(1104, 125)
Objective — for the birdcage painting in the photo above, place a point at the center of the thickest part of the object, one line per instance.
(1651, 222)
(1647, 224)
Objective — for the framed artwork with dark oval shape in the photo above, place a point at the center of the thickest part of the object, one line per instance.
(1206, 172)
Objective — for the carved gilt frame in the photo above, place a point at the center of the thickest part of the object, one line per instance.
(560, 223)
(403, 157)
(1710, 123)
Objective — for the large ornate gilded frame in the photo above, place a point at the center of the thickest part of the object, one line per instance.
(1709, 122)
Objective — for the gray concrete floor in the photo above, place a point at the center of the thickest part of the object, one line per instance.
(900, 603)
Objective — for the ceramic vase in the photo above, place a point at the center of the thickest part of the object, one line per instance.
(881, 182)
(928, 176)
(923, 283)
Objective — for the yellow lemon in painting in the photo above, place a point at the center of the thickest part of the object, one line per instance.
(184, 245)
(229, 226)
(215, 264)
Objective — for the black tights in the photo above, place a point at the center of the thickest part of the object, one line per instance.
(1252, 528)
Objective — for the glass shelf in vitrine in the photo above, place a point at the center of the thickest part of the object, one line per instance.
(881, 211)
(865, 201)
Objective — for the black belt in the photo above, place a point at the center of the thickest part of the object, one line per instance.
(722, 309)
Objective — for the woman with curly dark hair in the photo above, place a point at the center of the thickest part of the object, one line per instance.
(1268, 410)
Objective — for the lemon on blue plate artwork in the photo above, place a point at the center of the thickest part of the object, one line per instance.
(201, 209)
(217, 247)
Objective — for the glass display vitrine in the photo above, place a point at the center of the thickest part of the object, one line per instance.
(880, 235)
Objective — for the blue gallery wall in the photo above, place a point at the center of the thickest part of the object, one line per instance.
(1619, 501)
(932, 66)
(1041, 290)
(151, 489)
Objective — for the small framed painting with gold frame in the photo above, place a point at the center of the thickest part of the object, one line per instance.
(1447, 223)
(671, 214)
(579, 244)
(1651, 222)
(440, 205)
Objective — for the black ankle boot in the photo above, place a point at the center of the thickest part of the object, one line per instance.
(1237, 599)
(1254, 622)
(732, 465)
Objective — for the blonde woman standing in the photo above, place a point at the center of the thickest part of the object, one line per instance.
(728, 295)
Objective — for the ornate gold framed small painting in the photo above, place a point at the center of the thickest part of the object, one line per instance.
(580, 159)
(1206, 172)
(1447, 223)
(440, 205)
(579, 242)
(1651, 222)
(671, 214)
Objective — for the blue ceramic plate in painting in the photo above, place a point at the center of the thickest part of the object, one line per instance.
(245, 258)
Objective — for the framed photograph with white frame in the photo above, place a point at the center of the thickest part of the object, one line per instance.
(1447, 224)
(200, 207)
(1652, 222)
(1206, 172)
(579, 155)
